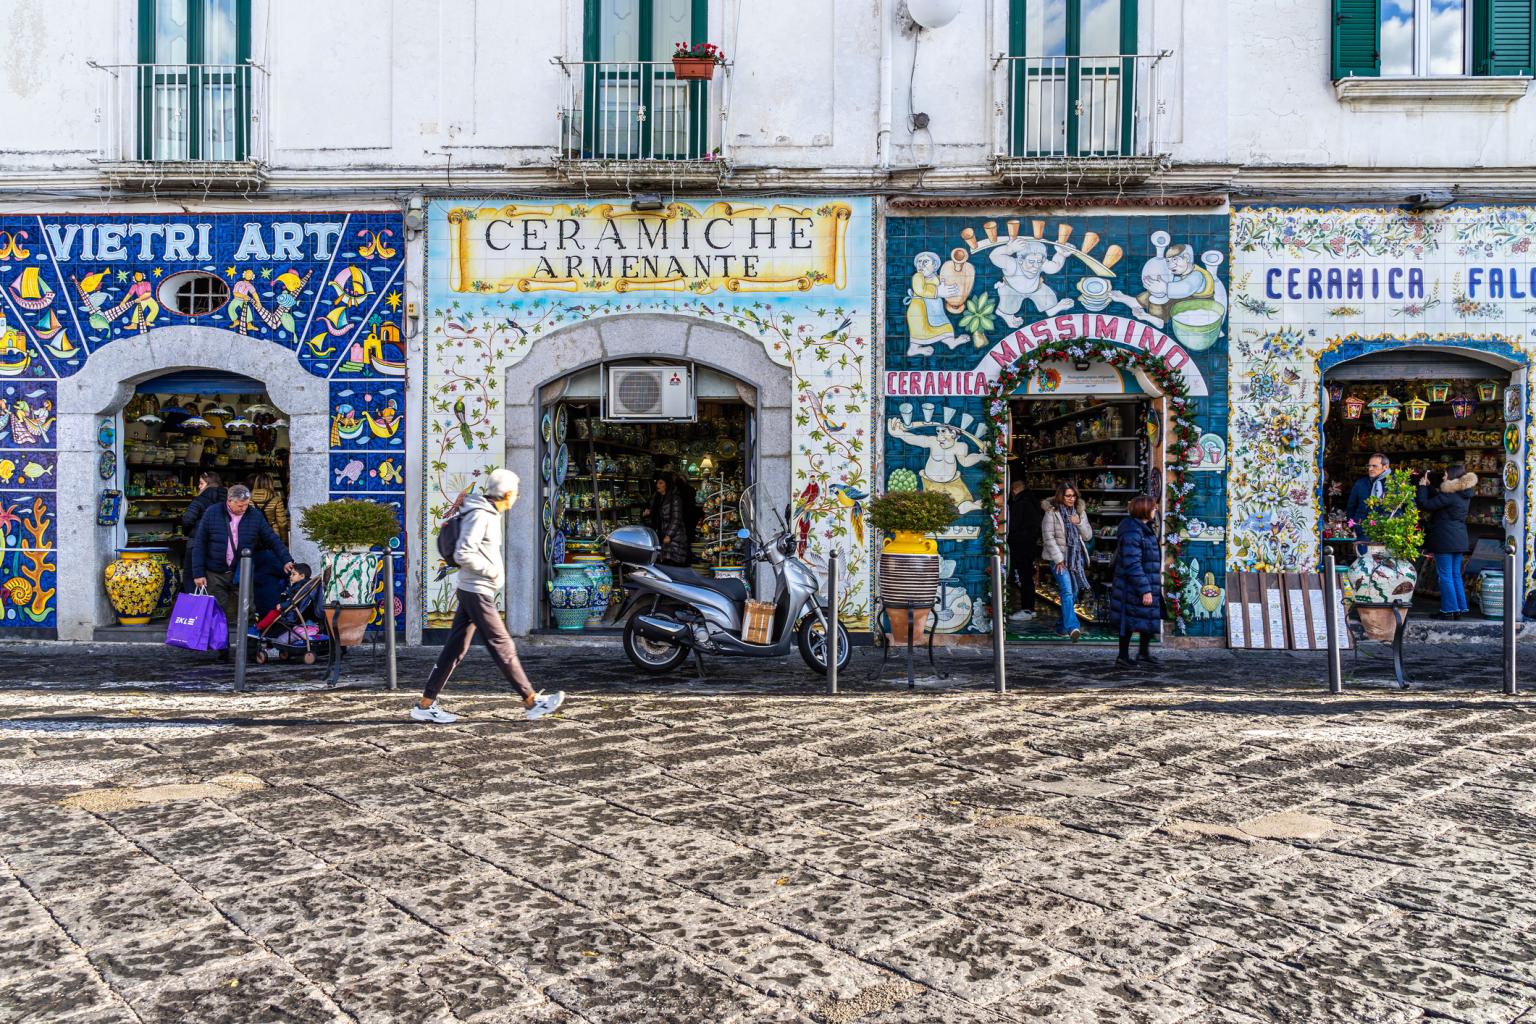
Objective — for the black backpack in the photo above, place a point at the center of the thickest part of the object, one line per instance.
(448, 539)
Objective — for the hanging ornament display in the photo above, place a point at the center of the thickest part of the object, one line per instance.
(1461, 406)
(1335, 393)
(1354, 405)
(1487, 391)
(1384, 411)
(1440, 391)
(1417, 407)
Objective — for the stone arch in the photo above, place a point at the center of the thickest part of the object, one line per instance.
(628, 336)
(103, 387)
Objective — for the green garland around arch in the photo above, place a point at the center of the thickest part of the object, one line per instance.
(1183, 440)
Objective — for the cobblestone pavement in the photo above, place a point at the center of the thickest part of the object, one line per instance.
(1212, 844)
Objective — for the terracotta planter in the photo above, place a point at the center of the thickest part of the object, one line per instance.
(348, 626)
(1379, 623)
(693, 69)
(909, 579)
(900, 625)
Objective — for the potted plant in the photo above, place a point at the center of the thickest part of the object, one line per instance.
(1387, 573)
(696, 61)
(348, 534)
(909, 560)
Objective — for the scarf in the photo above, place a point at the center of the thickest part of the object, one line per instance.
(1077, 554)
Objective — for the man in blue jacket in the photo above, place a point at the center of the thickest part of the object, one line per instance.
(213, 553)
(1372, 485)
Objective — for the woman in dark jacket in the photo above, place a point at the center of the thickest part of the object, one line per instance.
(1136, 602)
(1446, 535)
(670, 521)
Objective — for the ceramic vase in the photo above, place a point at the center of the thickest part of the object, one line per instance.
(172, 585)
(909, 575)
(1376, 578)
(351, 576)
(135, 580)
(570, 595)
(601, 578)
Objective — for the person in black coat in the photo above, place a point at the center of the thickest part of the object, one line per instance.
(1023, 548)
(669, 518)
(1136, 600)
(213, 553)
(1447, 501)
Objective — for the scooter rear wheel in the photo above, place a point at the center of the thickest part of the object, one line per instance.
(651, 655)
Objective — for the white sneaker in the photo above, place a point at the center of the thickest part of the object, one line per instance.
(435, 713)
(546, 704)
(1021, 616)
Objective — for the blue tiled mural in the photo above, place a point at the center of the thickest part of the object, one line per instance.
(972, 298)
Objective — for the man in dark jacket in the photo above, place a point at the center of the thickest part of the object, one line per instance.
(1023, 548)
(213, 553)
(1372, 485)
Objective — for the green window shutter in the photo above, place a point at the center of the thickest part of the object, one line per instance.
(1356, 39)
(1504, 37)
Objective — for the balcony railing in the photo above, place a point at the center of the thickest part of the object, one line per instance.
(170, 115)
(1078, 112)
(629, 117)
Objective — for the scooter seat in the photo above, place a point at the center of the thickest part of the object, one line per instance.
(734, 591)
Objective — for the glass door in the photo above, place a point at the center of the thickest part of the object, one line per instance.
(193, 79)
(1073, 77)
(635, 107)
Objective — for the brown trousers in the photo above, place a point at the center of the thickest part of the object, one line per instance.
(477, 613)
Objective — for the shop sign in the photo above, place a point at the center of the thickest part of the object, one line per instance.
(689, 248)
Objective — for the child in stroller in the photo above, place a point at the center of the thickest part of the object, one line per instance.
(295, 629)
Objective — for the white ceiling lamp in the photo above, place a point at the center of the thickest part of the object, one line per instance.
(238, 423)
(933, 13)
(149, 418)
(195, 423)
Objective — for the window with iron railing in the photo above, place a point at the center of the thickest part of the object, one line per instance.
(193, 80)
(628, 104)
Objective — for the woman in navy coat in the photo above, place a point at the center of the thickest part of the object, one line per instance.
(1136, 601)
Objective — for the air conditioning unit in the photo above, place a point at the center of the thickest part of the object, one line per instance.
(649, 393)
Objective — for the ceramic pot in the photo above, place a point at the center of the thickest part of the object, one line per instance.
(349, 625)
(570, 595)
(135, 581)
(601, 578)
(172, 585)
(909, 577)
(351, 576)
(1490, 594)
(1378, 578)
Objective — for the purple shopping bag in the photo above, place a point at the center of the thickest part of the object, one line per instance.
(197, 624)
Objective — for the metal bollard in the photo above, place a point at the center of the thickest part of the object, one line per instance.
(1511, 623)
(834, 654)
(389, 621)
(241, 624)
(1331, 621)
(999, 625)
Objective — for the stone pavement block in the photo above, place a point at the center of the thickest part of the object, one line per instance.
(439, 991)
(978, 963)
(1235, 925)
(795, 968)
(1089, 995)
(1078, 874)
(102, 915)
(649, 988)
(1484, 896)
(454, 900)
(889, 1005)
(748, 878)
(659, 849)
(1503, 948)
(1130, 944)
(704, 929)
(54, 991)
(1023, 909)
(1284, 994)
(852, 916)
(129, 961)
(258, 991)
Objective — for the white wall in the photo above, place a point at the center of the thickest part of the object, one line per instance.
(399, 92)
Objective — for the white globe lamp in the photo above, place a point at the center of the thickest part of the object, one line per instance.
(933, 13)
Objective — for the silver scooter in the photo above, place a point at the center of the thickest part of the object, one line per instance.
(672, 612)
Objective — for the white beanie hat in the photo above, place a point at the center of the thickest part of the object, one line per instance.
(500, 483)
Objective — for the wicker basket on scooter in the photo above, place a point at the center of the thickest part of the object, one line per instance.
(758, 624)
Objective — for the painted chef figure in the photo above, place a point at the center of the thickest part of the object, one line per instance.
(1024, 265)
(945, 457)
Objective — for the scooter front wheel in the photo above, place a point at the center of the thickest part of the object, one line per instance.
(649, 655)
(811, 638)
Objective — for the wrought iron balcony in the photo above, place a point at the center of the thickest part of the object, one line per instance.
(636, 120)
(188, 123)
(1089, 116)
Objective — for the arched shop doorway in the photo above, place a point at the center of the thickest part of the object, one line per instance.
(1427, 408)
(107, 416)
(1101, 429)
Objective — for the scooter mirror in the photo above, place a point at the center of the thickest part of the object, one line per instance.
(744, 534)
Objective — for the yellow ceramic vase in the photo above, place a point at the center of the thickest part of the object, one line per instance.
(134, 581)
(910, 542)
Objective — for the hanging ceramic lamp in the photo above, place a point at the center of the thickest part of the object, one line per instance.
(1354, 405)
(1461, 406)
(1335, 393)
(1487, 391)
(149, 418)
(1417, 407)
(1440, 391)
(1384, 411)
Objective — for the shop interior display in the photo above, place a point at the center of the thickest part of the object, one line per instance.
(1101, 447)
(1420, 425)
(599, 475)
(168, 439)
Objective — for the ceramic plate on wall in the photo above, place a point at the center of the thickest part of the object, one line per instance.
(562, 464)
(1512, 402)
(558, 551)
(1511, 512)
(1512, 438)
(547, 428)
(106, 466)
(548, 517)
(106, 434)
(562, 421)
(547, 466)
(1511, 476)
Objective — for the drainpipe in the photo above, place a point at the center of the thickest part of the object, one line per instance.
(887, 44)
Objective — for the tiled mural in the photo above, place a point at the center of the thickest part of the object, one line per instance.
(326, 286)
(1312, 288)
(966, 296)
(792, 274)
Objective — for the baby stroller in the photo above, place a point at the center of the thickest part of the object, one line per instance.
(295, 629)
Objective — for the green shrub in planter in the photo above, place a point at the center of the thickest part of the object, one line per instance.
(913, 511)
(339, 525)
